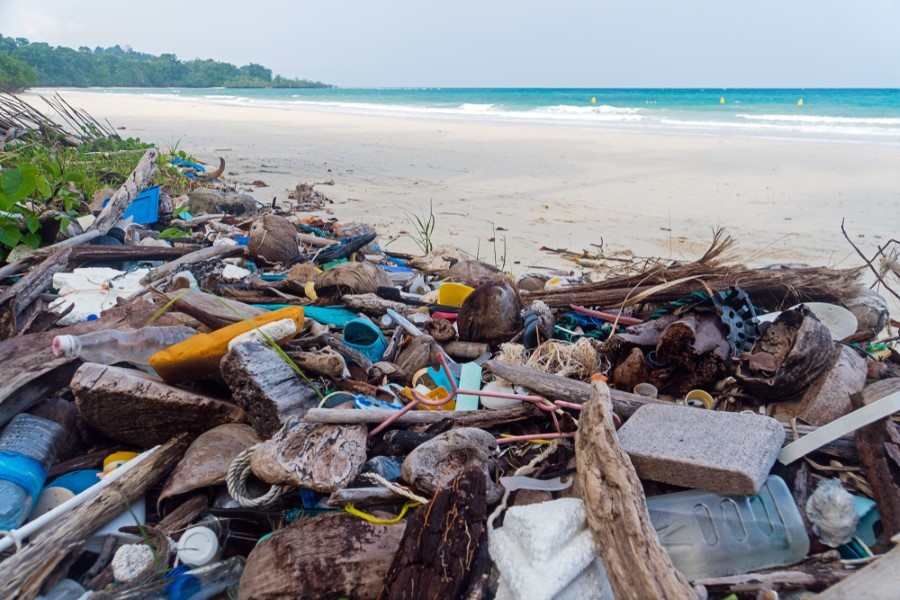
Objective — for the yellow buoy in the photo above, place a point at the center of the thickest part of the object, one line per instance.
(722, 100)
(593, 100)
(800, 102)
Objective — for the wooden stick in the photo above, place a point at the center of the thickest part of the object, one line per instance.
(116, 253)
(879, 580)
(878, 445)
(20, 569)
(139, 179)
(460, 418)
(636, 563)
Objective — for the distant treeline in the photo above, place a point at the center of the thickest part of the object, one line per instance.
(25, 64)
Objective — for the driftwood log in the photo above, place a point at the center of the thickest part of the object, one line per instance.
(139, 179)
(32, 372)
(129, 253)
(211, 310)
(878, 445)
(16, 298)
(815, 573)
(353, 562)
(372, 304)
(135, 408)
(26, 567)
(555, 387)
(266, 387)
(441, 542)
(637, 565)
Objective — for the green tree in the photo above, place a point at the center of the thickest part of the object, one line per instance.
(14, 74)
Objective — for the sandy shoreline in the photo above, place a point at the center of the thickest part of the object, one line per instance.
(557, 186)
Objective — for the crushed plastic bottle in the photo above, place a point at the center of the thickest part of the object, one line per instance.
(113, 346)
(710, 535)
(28, 447)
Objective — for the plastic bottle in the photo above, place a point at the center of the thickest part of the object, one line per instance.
(28, 447)
(112, 346)
(196, 584)
(200, 355)
(709, 535)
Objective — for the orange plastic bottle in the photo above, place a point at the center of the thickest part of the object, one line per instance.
(200, 355)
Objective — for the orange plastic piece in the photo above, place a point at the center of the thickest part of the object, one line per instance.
(200, 355)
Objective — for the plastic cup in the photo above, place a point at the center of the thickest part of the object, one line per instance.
(699, 399)
(646, 389)
(453, 294)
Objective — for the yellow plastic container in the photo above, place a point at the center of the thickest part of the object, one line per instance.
(453, 294)
(200, 355)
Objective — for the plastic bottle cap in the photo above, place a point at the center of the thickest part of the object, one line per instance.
(198, 546)
(49, 499)
(116, 460)
(63, 345)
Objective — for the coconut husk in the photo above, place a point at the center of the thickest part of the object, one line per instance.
(438, 261)
(491, 314)
(353, 563)
(351, 278)
(793, 353)
(441, 330)
(323, 458)
(273, 239)
(421, 352)
(472, 272)
(436, 463)
(207, 459)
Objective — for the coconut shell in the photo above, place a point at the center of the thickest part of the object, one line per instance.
(492, 314)
(323, 458)
(331, 556)
(436, 463)
(351, 278)
(794, 352)
(207, 459)
(273, 239)
(472, 272)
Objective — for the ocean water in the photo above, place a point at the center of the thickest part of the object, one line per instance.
(841, 115)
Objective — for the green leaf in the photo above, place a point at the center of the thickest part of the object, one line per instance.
(16, 184)
(74, 177)
(173, 232)
(10, 236)
(64, 222)
(32, 223)
(32, 240)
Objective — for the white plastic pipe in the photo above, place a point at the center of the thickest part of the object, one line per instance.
(30, 528)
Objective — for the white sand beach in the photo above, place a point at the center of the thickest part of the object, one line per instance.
(559, 186)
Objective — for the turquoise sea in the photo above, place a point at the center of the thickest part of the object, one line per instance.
(848, 115)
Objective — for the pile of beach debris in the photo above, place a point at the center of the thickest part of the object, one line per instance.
(272, 404)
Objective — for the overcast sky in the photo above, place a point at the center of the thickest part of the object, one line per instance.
(496, 43)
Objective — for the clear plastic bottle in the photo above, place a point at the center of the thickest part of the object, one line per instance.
(112, 346)
(28, 446)
(196, 584)
(710, 535)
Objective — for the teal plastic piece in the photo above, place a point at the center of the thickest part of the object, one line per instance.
(326, 315)
(469, 379)
(868, 517)
(364, 336)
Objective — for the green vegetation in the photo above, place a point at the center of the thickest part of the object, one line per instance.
(23, 64)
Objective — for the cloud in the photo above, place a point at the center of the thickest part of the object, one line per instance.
(39, 26)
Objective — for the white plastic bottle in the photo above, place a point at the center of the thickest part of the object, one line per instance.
(113, 346)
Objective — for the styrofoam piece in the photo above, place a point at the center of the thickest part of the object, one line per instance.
(92, 290)
(839, 427)
(234, 273)
(276, 330)
(546, 551)
(498, 403)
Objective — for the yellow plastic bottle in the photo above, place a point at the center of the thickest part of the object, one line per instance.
(200, 355)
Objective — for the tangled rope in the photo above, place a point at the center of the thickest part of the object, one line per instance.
(238, 472)
(525, 470)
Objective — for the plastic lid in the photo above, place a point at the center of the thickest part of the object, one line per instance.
(116, 460)
(198, 546)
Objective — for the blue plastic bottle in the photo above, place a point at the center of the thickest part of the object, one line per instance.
(28, 447)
